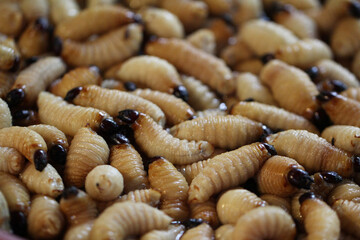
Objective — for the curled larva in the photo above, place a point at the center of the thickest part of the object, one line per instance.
(205, 211)
(320, 221)
(312, 152)
(45, 220)
(274, 200)
(96, 20)
(9, 56)
(352, 93)
(255, 31)
(33, 9)
(60, 11)
(165, 178)
(11, 18)
(5, 115)
(173, 232)
(128, 218)
(224, 232)
(200, 96)
(191, 13)
(34, 79)
(273, 117)
(235, 203)
(304, 53)
(47, 182)
(343, 137)
(96, 3)
(252, 65)
(15, 192)
(347, 191)
(297, 95)
(11, 160)
(67, 117)
(77, 77)
(355, 66)
(105, 51)
(161, 23)
(349, 215)
(28, 142)
(142, 70)
(246, 10)
(203, 39)
(228, 170)
(192, 61)
(113, 101)
(282, 176)
(227, 132)
(4, 214)
(6, 82)
(155, 141)
(248, 86)
(236, 51)
(104, 183)
(345, 39)
(265, 223)
(87, 150)
(201, 232)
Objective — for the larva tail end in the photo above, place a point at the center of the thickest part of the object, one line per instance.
(40, 160)
(18, 223)
(72, 94)
(270, 148)
(307, 195)
(325, 96)
(57, 46)
(16, 64)
(15, 97)
(299, 178)
(354, 9)
(58, 153)
(331, 177)
(267, 58)
(181, 92)
(130, 86)
(312, 72)
(356, 163)
(128, 116)
(70, 192)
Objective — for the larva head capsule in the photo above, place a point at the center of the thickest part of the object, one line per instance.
(313, 72)
(58, 153)
(270, 149)
(71, 95)
(325, 96)
(299, 178)
(70, 192)
(116, 139)
(307, 195)
(331, 177)
(15, 97)
(354, 9)
(18, 223)
(128, 116)
(20, 115)
(181, 92)
(108, 126)
(40, 160)
(277, 7)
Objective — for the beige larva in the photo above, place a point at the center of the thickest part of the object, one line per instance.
(343, 137)
(113, 84)
(4, 214)
(210, 112)
(347, 191)
(148, 196)
(127, 218)
(60, 11)
(236, 51)
(201, 232)
(190, 171)
(274, 200)
(205, 211)
(355, 66)
(345, 38)
(9, 56)
(11, 18)
(5, 115)
(246, 10)
(349, 215)
(252, 65)
(6, 82)
(51, 135)
(87, 150)
(32, 9)
(224, 232)
(80, 231)
(203, 39)
(96, 3)
(173, 232)
(11, 160)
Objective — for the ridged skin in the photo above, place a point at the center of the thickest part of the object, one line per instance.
(11, 160)
(8, 57)
(252, 65)
(5, 115)
(201, 232)
(224, 232)
(80, 231)
(173, 232)
(345, 37)
(349, 215)
(343, 137)
(347, 191)
(281, 202)
(236, 51)
(190, 171)
(60, 11)
(51, 135)
(205, 211)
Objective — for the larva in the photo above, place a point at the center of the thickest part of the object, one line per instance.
(236, 51)
(345, 38)
(96, 3)
(9, 55)
(6, 82)
(110, 48)
(273, 117)
(253, 65)
(27, 142)
(149, 196)
(4, 214)
(173, 232)
(167, 78)
(352, 93)
(77, 77)
(320, 221)
(87, 22)
(45, 220)
(265, 223)
(348, 213)
(205, 211)
(343, 137)
(228, 170)
(192, 14)
(155, 141)
(222, 32)
(47, 182)
(298, 95)
(201, 232)
(210, 112)
(54, 110)
(80, 231)
(227, 132)
(224, 232)
(192, 61)
(274, 200)
(295, 207)
(11, 160)
(253, 32)
(304, 53)
(11, 18)
(246, 10)
(312, 152)
(203, 39)
(235, 203)
(34, 79)
(165, 178)
(161, 23)
(5, 115)
(127, 218)
(324, 183)
(33, 9)
(347, 191)
(190, 171)
(113, 84)
(15, 192)
(355, 66)
(87, 150)
(282, 176)
(113, 101)
(128, 161)
(200, 96)
(61, 11)
(249, 86)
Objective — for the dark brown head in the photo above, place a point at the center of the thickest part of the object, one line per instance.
(305, 196)
(57, 153)
(72, 94)
(331, 177)
(70, 192)
(40, 160)
(181, 92)
(270, 148)
(299, 178)
(15, 97)
(128, 116)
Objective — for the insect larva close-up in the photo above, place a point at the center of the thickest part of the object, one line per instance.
(33, 9)
(79, 231)
(345, 38)
(236, 51)
(60, 11)
(348, 213)
(224, 232)
(5, 115)
(347, 191)
(274, 200)
(4, 214)
(343, 137)
(149, 196)
(253, 65)
(9, 57)
(325, 183)
(6, 82)
(173, 232)
(201, 232)
(246, 10)
(11, 160)
(205, 211)
(11, 18)
(190, 171)
(203, 39)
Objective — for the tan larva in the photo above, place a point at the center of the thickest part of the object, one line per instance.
(11, 18)
(96, 3)
(110, 73)
(5, 115)
(192, 61)
(155, 141)
(253, 65)
(273, 117)
(227, 132)
(265, 223)
(322, 185)
(235, 203)
(81, 231)
(15, 192)
(248, 85)
(113, 84)
(348, 213)
(175, 109)
(191, 13)
(173, 232)
(127, 218)
(355, 66)
(112, 47)
(343, 137)
(128, 161)
(203, 39)
(274, 200)
(210, 112)
(190, 171)
(87, 150)
(236, 51)
(9, 56)
(51, 135)
(205, 211)
(298, 95)
(4, 214)
(45, 220)
(87, 22)
(47, 182)
(165, 178)
(222, 32)
(253, 32)
(6, 82)
(246, 10)
(224, 232)
(67, 117)
(320, 221)
(348, 191)
(228, 170)
(142, 70)
(162, 23)
(60, 11)
(33, 9)
(345, 39)
(201, 232)
(295, 207)
(11, 160)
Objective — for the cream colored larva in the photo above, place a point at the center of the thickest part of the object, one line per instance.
(10, 56)
(96, 3)
(343, 137)
(62, 10)
(5, 115)
(203, 39)
(346, 191)
(11, 11)
(274, 200)
(11, 160)
(348, 213)
(34, 9)
(173, 232)
(205, 211)
(352, 93)
(201, 232)
(246, 10)
(345, 37)
(236, 51)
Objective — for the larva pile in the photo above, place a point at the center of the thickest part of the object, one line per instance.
(180, 119)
